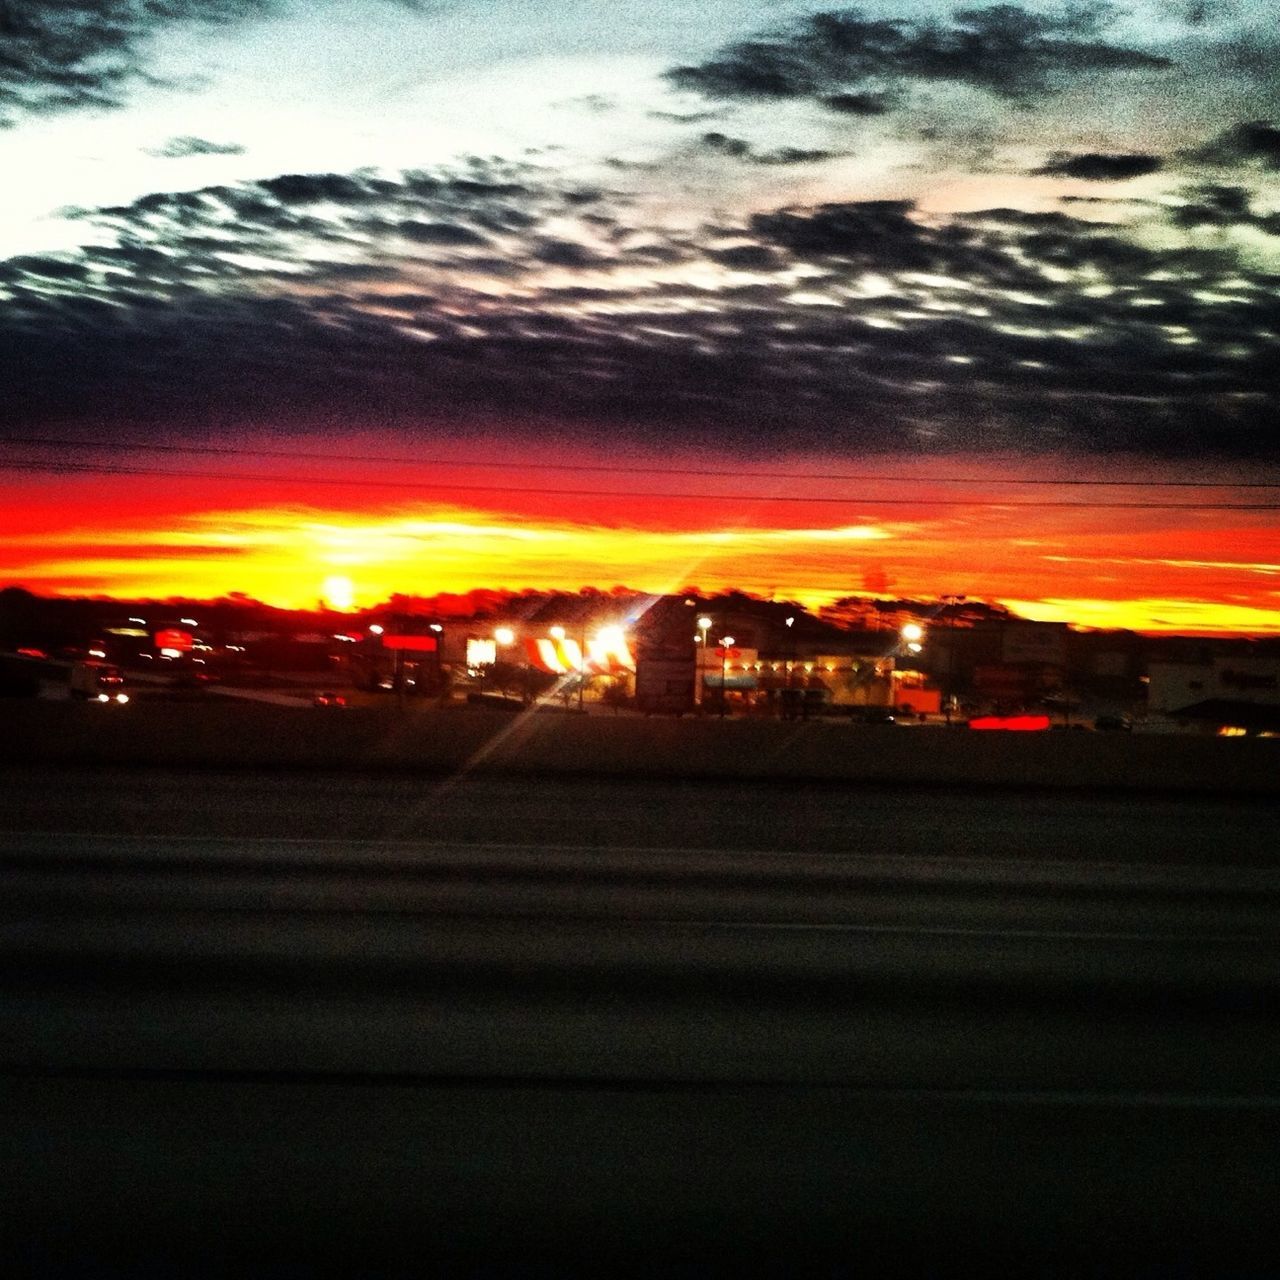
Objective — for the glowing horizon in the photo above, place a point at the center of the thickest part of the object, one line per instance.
(1143, 569)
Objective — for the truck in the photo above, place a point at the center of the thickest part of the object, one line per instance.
(97, 682)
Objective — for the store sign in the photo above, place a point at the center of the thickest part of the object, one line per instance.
(1024, 724)
(481, 653)
(172, 638)
(411, 644)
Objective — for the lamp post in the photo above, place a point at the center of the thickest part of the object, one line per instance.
(558, 634)
(704, 625)
(504, 637)
(437, 630)
(912, 634)
(950, 603)
(726, 643)
(787, 700)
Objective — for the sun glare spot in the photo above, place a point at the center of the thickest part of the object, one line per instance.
(338, 592)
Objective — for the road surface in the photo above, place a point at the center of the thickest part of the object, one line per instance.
(280, 1021)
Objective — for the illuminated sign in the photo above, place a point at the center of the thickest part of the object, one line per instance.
(411, 644)
(481, 653)
(172, 638)
(606, 654)
(1032, 724)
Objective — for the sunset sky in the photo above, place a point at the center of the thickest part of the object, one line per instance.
(910, 298)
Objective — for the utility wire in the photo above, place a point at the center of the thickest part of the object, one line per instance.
(585, 468)
(77, 468)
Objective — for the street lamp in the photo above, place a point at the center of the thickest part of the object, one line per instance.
(704, 625)
(912, 633)
(726, 643)
(504, 637)
(558, 634)
(950, 604)
(791, 657)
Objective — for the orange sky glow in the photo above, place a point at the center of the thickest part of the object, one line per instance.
(278, 537)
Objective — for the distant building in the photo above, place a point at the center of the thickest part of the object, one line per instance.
(1174, 685)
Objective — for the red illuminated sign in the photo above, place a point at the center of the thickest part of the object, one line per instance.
(410, 644)
(172, 638)
(1023, 724)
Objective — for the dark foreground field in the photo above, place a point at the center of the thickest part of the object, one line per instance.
(280, 1021)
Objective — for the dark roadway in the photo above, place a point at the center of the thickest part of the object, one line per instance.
(269, 1023)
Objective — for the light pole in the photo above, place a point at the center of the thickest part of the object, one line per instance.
(503, 637)
(704, 625)
(788, 699)
(912, 634)
(558, 634)
(726, 643)
(949, 605)
(441, 692)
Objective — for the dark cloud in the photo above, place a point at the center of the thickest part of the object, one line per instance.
(631, 166)
(871, 230)
(1255, 141)
(850, 61)
(740, 149)
(88, 53)
(746, 257)
(861, 326)
(187, 145)
(1099, 167)
(794, 155)
(859, 104)
(446, 233)
(687, 117)
(60, 55)
(737, 147)
(317, 188)
(1212, 205)
(567, 253)
(49, 268)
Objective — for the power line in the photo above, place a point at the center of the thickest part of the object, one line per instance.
(76, 468)
(116, 446)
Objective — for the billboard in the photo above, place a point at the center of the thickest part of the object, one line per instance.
(1039, 642)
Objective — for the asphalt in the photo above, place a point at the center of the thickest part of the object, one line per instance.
(277, 1023)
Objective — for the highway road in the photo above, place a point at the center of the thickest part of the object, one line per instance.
(275, 1021)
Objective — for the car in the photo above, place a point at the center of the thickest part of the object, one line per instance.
(1113, 724)
(872, 715)
(328, 698)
